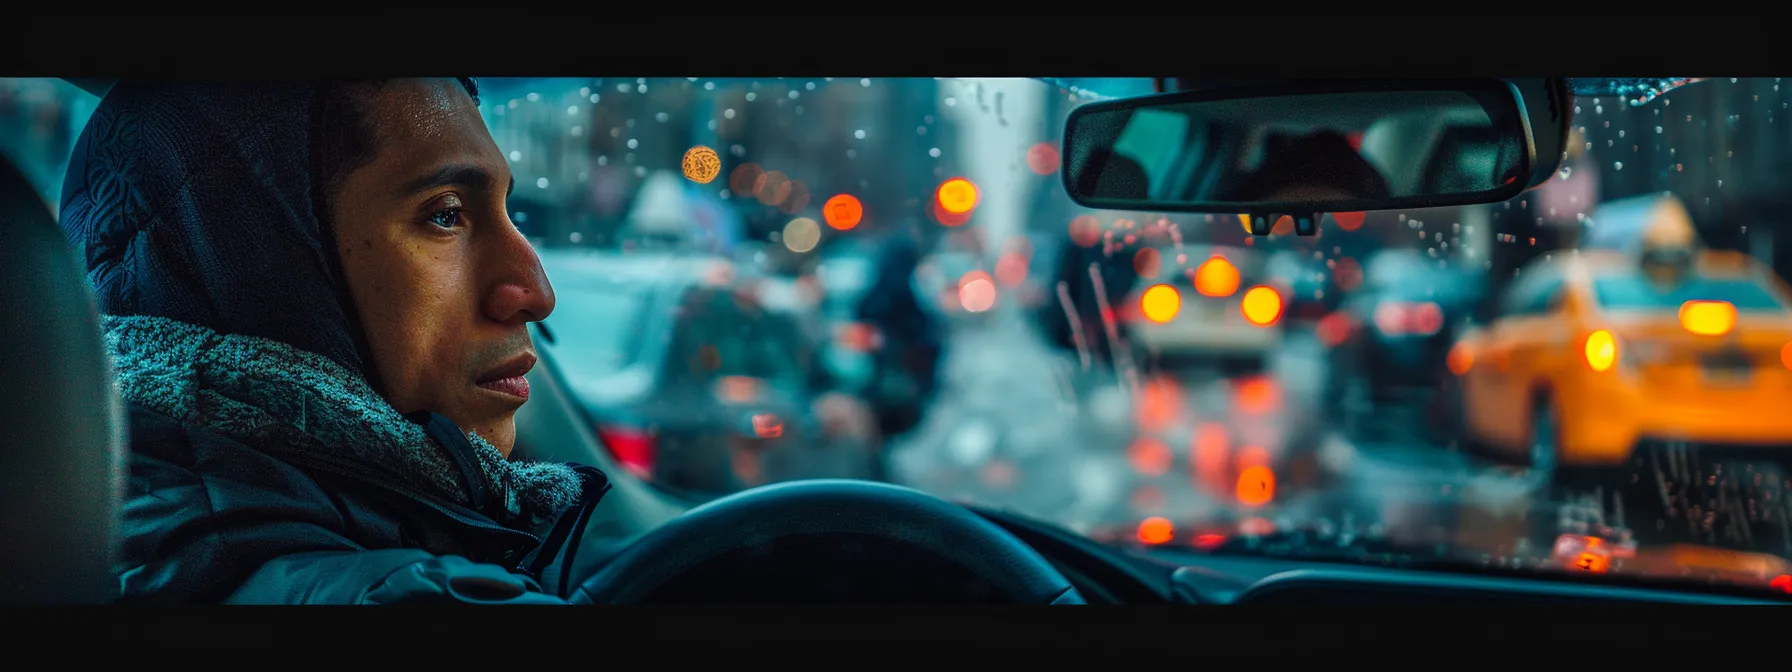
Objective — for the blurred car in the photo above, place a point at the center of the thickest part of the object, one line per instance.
(1388, 341)
(1224, 309)
(690, 382)
(1596, 353)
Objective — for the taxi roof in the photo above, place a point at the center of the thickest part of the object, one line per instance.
(1650, 220)
(1602, 262)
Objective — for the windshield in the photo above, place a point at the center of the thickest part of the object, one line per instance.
(1012, 349)
(1635, 291)
(604, 328)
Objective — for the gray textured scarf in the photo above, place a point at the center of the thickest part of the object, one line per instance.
(278, 398)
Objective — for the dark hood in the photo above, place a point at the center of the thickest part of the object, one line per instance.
(198, 202)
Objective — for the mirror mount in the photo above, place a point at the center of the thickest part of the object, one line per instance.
(1305, 224)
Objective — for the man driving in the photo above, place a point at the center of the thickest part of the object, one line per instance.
(317, 308)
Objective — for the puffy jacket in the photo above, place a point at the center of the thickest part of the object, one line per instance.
(262, 474)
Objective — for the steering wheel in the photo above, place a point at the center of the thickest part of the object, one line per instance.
(823, 507)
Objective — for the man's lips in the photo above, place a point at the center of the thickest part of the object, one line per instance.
(508, 378)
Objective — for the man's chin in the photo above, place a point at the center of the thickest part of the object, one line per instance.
(498, 429)
(501, 434)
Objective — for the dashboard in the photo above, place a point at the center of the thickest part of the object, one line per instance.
(1106, 575)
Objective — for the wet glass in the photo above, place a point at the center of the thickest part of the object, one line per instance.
(1447, 385)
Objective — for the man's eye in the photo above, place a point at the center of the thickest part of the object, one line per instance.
(446, 218)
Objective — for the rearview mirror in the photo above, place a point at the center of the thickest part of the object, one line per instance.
(1302, 149)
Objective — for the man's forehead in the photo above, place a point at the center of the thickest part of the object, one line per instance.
(422, 108)
(425, 126)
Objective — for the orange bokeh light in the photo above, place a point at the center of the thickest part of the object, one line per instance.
(1160, 303)
(1256, 486)
(701, 164)
(1156, 530)
(1262, 305)
(843, 211)
(1216, 277)
(957, 196)
(1348, 221)
(1460, 359)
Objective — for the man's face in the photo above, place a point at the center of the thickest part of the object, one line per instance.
(443, 282)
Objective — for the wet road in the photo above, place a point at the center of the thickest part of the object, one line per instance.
(1019, 426)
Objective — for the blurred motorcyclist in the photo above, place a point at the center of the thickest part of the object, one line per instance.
(912, 340)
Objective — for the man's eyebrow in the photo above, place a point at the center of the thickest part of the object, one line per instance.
(512, 189)
(461, 175)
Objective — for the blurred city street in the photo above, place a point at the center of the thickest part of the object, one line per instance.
(1090, 464)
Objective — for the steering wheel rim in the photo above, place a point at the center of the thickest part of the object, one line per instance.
(829, 506)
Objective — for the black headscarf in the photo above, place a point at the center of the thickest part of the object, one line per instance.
(200, 202)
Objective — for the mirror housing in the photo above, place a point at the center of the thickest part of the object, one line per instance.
(1193, 151)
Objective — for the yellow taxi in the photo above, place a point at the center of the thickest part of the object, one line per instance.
(1594, 351)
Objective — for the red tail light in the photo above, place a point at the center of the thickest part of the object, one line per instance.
(858, 337)
(1398, 318)
(1334, 329)
(633, 448)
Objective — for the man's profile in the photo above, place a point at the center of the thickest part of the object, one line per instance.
(317, 307)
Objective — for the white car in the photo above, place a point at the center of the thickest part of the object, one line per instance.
(1217, 307)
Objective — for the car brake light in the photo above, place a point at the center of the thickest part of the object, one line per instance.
(633, 448)
(1708, 318)
(1601, 350)
(858, 337)
(1160, 303)
(1334, 329)
(1460, 359)
(1262, 305)
(1396, 318)
(1216, 277)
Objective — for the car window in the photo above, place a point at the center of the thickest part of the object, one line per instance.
(1634, 291)
(1533, 296)
(725, 335)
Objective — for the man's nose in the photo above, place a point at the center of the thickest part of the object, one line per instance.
(521, 292)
